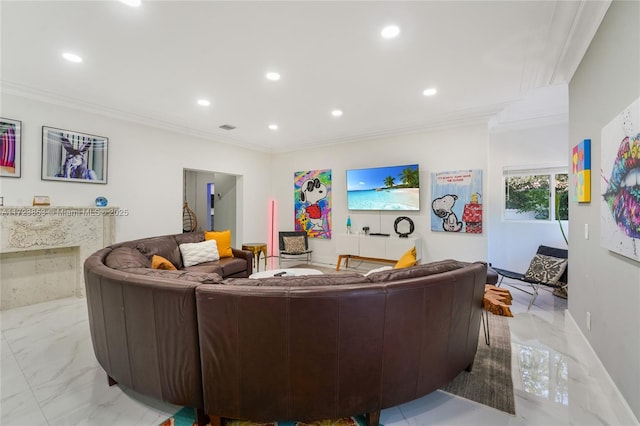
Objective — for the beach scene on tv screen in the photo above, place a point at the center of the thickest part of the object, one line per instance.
(384, 188)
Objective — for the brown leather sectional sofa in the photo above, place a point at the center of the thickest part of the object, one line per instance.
(289, 348)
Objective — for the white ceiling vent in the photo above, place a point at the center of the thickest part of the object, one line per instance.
(227, 127)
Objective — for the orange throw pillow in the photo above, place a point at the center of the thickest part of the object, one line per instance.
(159, 262)
(223, 239)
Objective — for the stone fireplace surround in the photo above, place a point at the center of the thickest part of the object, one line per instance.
(42, 250)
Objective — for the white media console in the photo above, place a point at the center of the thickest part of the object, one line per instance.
(374, 248)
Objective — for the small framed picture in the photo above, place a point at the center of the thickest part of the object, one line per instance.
(11, 147)
(41, 200)
(70, 156)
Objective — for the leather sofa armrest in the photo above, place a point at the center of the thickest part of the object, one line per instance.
(244, 254)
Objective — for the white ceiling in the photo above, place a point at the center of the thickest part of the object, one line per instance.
(150, 64)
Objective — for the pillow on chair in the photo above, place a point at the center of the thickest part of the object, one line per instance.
(546, 269)
(294, 245)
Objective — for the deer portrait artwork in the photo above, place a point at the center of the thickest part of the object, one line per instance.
(73, 157)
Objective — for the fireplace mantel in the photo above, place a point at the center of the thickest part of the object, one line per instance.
(43, 250)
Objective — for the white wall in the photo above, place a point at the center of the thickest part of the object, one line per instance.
(145, 173)
(436, 151)
(603, 283)
(513, 243)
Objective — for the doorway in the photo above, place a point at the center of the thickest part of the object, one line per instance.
(213, 198)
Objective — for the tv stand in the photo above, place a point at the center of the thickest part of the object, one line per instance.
(376, 248)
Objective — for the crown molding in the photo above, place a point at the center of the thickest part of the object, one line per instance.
(40, 95)
(585, 24)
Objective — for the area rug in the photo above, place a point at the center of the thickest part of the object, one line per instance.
(489, 382)
(186, 417)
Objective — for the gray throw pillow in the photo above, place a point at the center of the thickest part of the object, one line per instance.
(546, 269)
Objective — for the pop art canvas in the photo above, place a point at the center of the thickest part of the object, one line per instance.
(581, 161)
(456, 204)
(312, 203)
(620, 183)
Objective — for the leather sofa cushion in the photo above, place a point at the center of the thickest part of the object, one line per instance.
(231, 265)
(189, 237)
(301, 281)
(207, 267)
(416, 271)
(126, 257)
(165, 246)
(198, 277)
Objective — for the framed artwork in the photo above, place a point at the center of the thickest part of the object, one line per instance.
(456, 204)
(11, 147)
(312, 202)
(619, 180)
(581, 162)
(74, 157)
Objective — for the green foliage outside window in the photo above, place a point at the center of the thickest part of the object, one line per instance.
(532, 193)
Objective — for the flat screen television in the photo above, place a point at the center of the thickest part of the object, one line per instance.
(384, 188)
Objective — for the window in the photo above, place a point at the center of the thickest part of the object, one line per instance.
(536, 194)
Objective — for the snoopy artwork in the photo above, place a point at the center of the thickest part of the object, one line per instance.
(312, 192)
(443, 208)
(313, 203)
(456, 205)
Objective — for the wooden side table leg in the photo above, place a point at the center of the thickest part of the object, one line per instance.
(264, 252)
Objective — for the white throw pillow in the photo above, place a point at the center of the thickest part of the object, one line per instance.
(380, 269)
(194, 253)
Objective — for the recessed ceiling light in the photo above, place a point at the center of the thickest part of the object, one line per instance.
(132, 3)
(273, 76)
(273, 126)
(430, 91)
(336, 113)
(204, 102)
(71, 57)
(390, 31)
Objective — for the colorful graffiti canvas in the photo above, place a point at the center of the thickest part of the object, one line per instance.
(581, 161)
(620, 183)
(312, 203)
(456, 204)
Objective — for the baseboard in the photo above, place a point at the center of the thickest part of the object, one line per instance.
(567, 314)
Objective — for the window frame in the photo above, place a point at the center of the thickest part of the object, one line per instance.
(534, 170)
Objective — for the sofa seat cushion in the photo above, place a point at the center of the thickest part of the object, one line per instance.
(191, 276)
(126, 257)
(232, 265)
(416, 271)
(206, 267)
(301, 281)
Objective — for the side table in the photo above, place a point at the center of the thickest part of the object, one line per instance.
(256, 249)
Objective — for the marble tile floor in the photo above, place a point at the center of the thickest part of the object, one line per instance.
(49, 376)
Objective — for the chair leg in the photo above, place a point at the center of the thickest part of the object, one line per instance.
(500, 281)
(485, 325)
(535, 287)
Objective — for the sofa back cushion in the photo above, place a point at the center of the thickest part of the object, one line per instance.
(301, 281)
(416, 271)
(197, 277)
(165, 246)
(125, 258)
